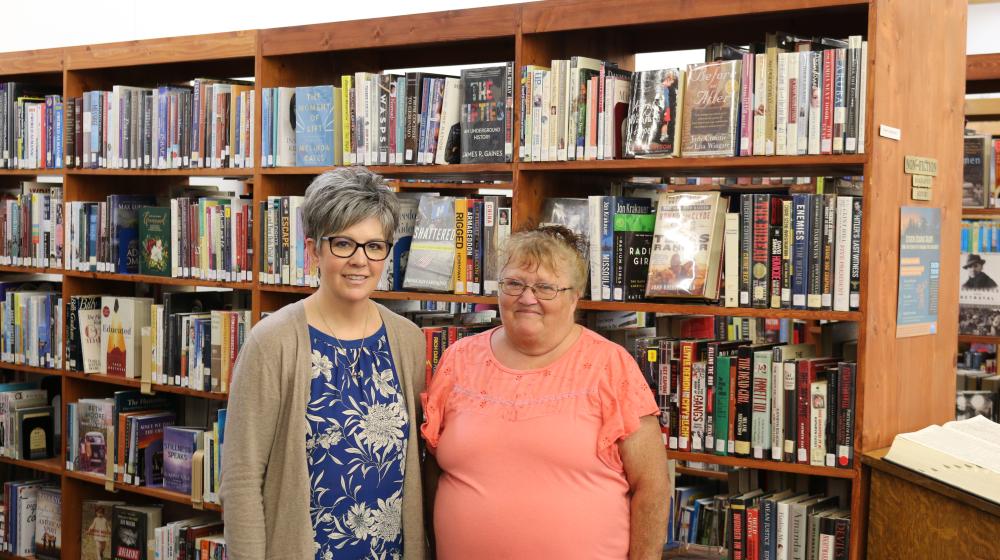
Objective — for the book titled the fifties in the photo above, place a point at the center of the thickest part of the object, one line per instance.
(485, 114)
(154, 241)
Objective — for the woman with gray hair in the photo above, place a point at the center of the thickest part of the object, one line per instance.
(322, 457)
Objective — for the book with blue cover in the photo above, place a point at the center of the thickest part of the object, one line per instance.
(314, 126)
(124, 213)
(179, 445)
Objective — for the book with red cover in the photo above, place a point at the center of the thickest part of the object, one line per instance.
(806, 371)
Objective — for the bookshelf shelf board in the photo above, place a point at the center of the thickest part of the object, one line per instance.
(406, 186)
(53, 465)
(7, 555)
(153, 492)
(971, 338)
(32, 172)
(768, 166)
(703, 309)
(702, 473)
(238, 173)
(30, 270)
(795, 468)
(419, 296)
(30, 369)
(440, 171)
(981, 212)
(165, 280)
(156, 387)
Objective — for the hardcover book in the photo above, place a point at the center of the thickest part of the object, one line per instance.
(120, 321)
(395, 265)
(95, 527)
(654, 113)
(94, 433)
(48, 523)
(687, 245)
(35, 426)
(124, 211)
(315, 126)
(132, 536)
(979, 294)
(179, 445)
(431, 261)
(976, 172)
(147, 447)
(711, 110)
(154, 241)
(484, 114)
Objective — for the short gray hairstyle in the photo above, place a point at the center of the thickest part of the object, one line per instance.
(338, 199)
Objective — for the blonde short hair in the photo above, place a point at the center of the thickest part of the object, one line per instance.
(555, 248)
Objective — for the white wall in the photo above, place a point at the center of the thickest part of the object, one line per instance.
(57, 23)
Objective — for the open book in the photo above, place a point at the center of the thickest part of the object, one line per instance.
(964, 454)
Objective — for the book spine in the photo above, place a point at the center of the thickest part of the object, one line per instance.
(698, 407)
(851, 93)
(746, 247)
(606, 244)
(761, 404)
(688, 357)
(817, 422)
(839, 100)
(792, 95)
(815, 101)
(845, 415)
(800, 250)
(815, 229)
(855, 276)
(744, 402)
(777, 250)
(760, 105)
(777, 399)
(790, 422)
(826, 126)
(732, 260)
(711, 355)
(760, 255)
(781, 105)
(803, 387)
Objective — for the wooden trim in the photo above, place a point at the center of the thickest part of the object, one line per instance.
(53, 465)
(153, 492)
(796, 468)
(30, 369)
(189, 48)
(564, 15)
(236, 173)
(982, 67)
(703, 473)
(135, 384)
(981, 108)
(973, 339)
(40, 61)
(980, 212)
(434, 27)
(765, 166)
(164, 280)
(404, 170)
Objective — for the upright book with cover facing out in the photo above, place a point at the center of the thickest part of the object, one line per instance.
(48, 523)
(395, 265)
(484, 114)
(432, 252)
(710, 119)
(154, 241)
(687, 245)
(976, 172)
(315, 126)
(121, 319)
(132, 536)
(654, 113)
(179, 445)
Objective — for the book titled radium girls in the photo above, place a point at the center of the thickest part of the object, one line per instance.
(685, 260)
(710, 120)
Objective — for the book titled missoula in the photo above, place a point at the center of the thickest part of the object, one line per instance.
(485, 108)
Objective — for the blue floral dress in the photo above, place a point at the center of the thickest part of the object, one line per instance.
(356, 447)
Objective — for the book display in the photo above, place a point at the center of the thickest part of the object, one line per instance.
(752, 269)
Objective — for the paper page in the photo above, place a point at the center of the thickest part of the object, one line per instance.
(979, 427)
(960, 445)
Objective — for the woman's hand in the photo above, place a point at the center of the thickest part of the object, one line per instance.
(645, 460)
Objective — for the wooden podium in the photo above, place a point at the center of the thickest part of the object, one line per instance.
(912, 516)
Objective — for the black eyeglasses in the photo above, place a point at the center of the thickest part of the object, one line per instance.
(544, 291)
(345, 247)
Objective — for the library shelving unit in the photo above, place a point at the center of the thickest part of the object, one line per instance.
(982, 75)
(899, 383)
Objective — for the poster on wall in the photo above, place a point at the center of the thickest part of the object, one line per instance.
(919, 271)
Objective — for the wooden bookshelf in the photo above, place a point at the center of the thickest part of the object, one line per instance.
(137, 384)
(150, 491)
(973, 338)
(899, 383)
(701, 473)
(51, 466)
(977, 213)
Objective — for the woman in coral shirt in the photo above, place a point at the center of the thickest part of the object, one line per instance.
(545, 432)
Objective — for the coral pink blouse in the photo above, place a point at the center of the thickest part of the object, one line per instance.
(530, 464)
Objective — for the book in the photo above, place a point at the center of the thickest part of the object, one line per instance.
(710, 117)
(687, 245)
(964, 454)
(315, 127)
(179, 446)
(976, 171)
(154, 241)
(132, 535)
(395, 265)
(654, 113)
(120, 320)
(96, 518)
(487, 105)
(430, 265)
(94, 433)
(48, 523)
(36, 430)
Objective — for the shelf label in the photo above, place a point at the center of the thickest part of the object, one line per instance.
(923, 181)
(920, 193)
(890, 132)
(915, 165)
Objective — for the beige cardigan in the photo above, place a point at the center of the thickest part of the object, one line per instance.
(265, 490)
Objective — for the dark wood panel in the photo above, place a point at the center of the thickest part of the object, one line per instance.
(715, 166)
(190, 48)
(796, 468)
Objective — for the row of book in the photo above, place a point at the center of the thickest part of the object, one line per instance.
(786, 96)
(31, 222)
(978, 393)
(31, 126)
(207, 124)
(135, 439)
(32, 323)
(980, 236)
(28, 429)
(783, 524)
(115, 530)
(31, 519)
(979, 171)
(391, 119)
(190, 339)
